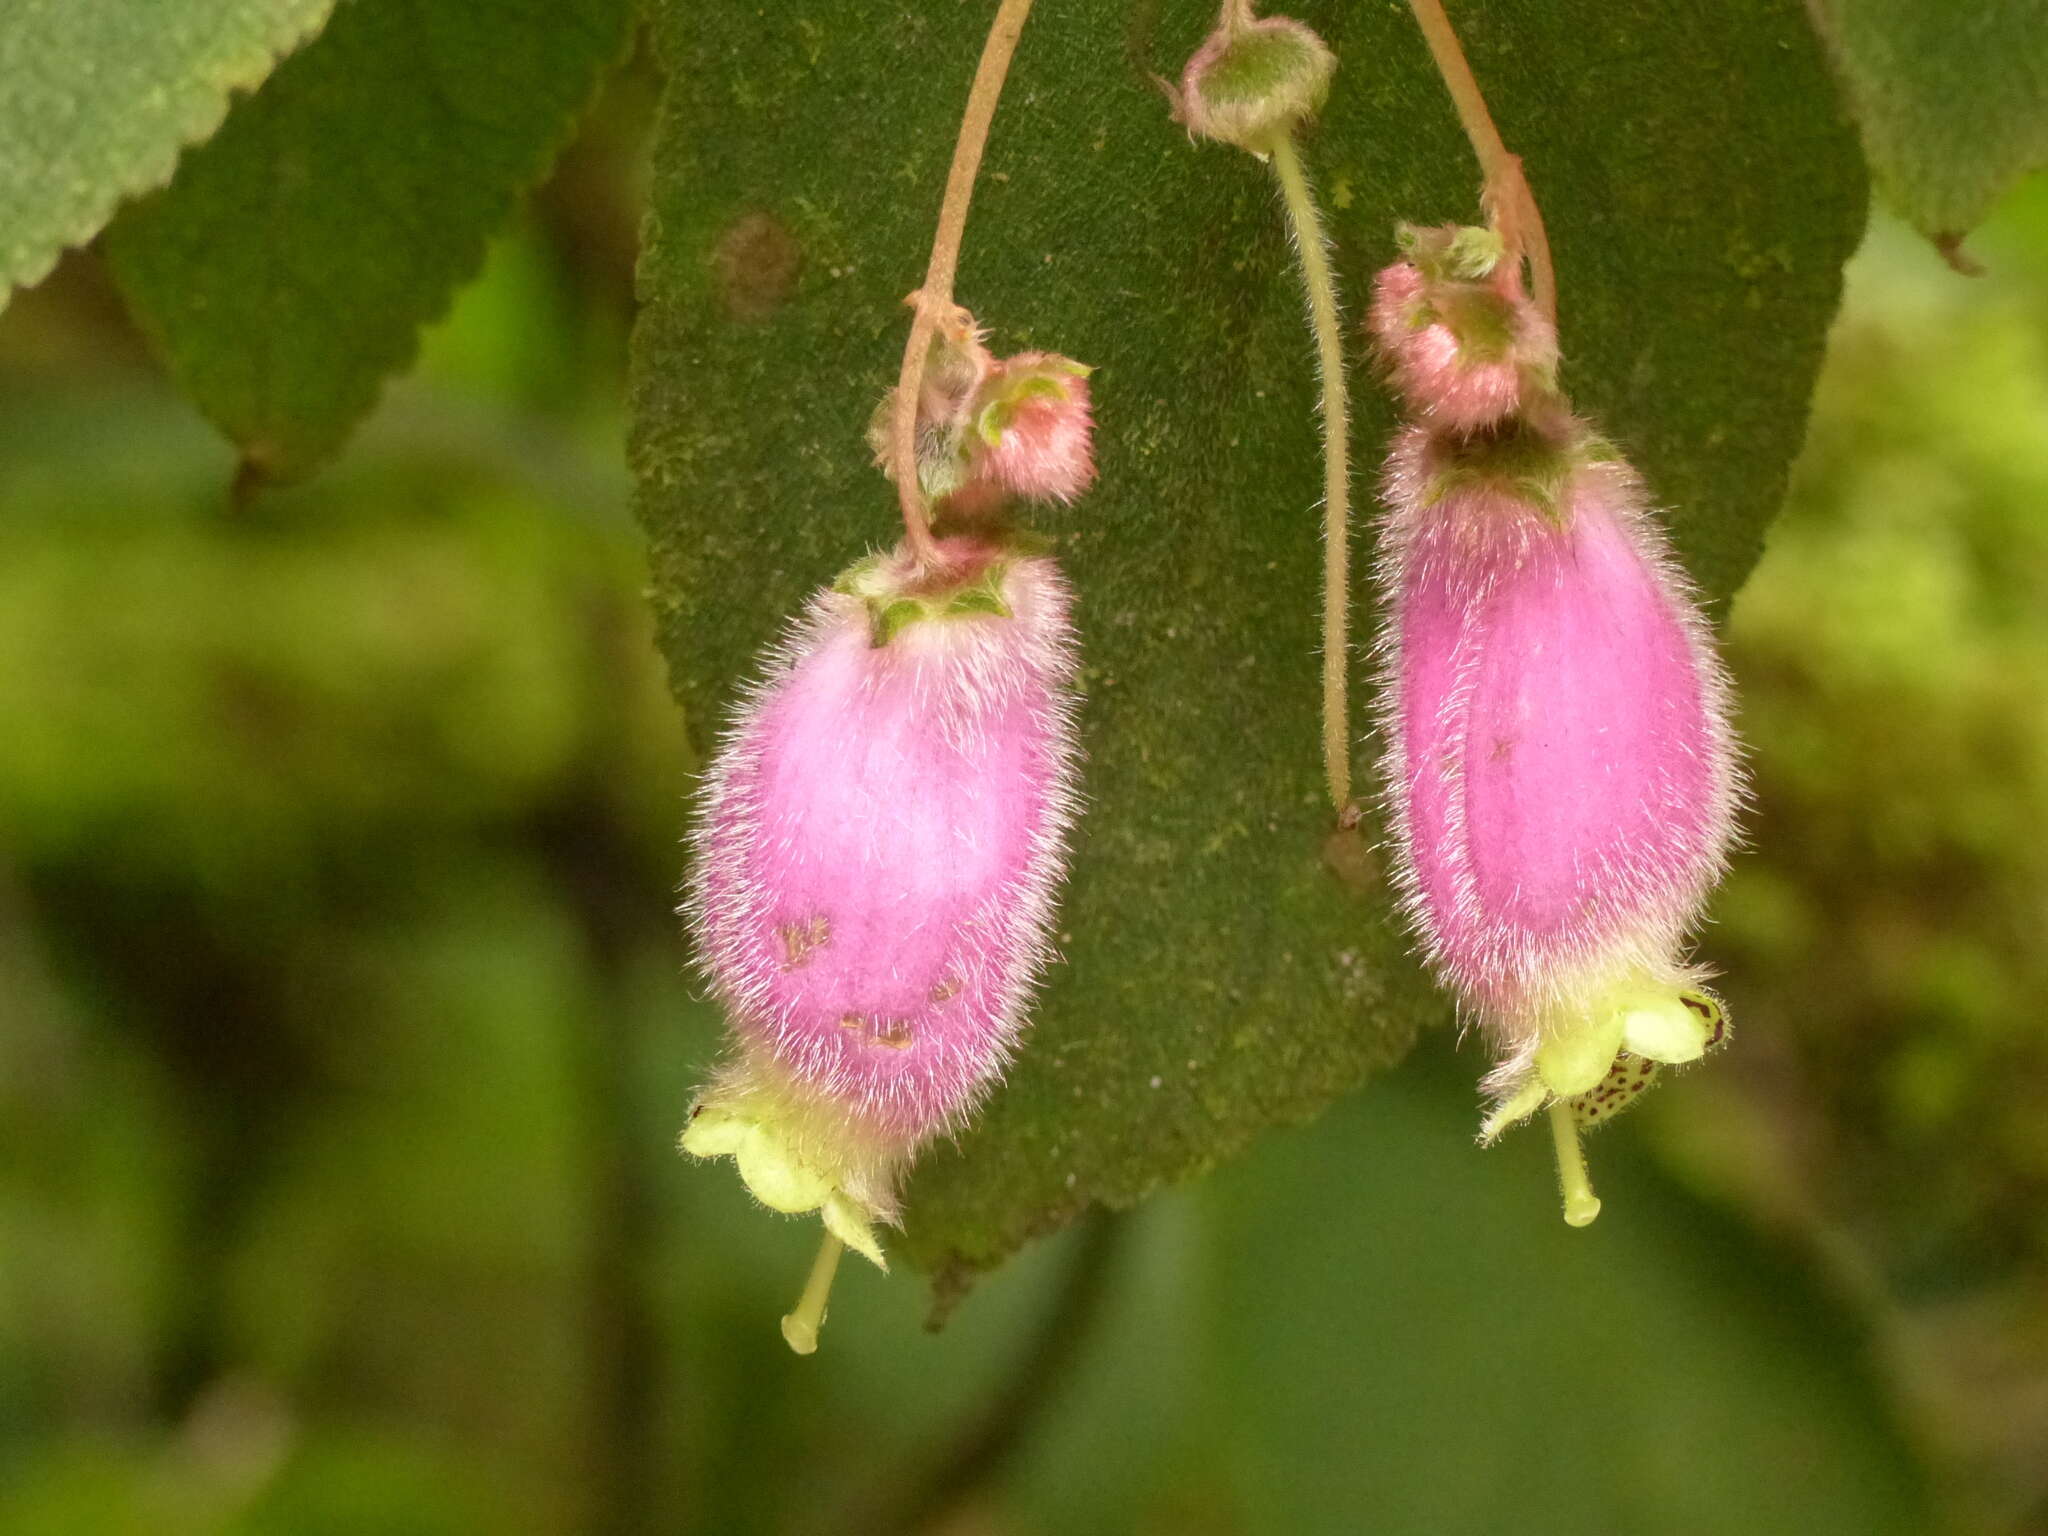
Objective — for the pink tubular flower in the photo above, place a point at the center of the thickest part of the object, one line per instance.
(1560, 772)
(1566, 782)
(1466, 348)
(881, 839)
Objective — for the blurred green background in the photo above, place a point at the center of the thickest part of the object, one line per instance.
(345, 1030)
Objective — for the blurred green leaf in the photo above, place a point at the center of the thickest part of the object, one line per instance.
(1883, 948)
(1952, 100)
(98, 97)
(1221, 975)
(1440, 1349)
(348, 1481)
(288, 268)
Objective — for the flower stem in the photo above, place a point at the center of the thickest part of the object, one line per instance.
(1313, 250)
(935, 298)
(1510, 202)
(1581, 1205)
(800, 1328)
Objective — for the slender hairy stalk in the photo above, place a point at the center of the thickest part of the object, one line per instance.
(1510, 202)
(935, 298)
(1314, 252)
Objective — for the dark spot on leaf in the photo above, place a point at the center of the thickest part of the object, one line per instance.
(755, 263)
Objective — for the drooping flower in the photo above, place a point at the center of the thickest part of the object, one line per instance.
(1560, 773)
(881, 838)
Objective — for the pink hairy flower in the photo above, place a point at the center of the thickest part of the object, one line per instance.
(881, 839)
(1560, 773)
(1565, 779)
(1466, 347)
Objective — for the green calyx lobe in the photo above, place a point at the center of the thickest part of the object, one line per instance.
(1461, 265)
(1451, 252)
(1482, 320)
(1012, 392)
(892, 607)
(1261, 63)
(1261, 79)
(1520, 459)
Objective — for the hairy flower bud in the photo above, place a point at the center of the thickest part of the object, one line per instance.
(1254, 78)
(881, 838)
(1034, 427)
(989, 430)
(1465, 346)
(1560, 772)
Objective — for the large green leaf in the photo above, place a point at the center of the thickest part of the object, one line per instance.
(1222, 972)
(1952, 100)
(288, 268)
(97, 98)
